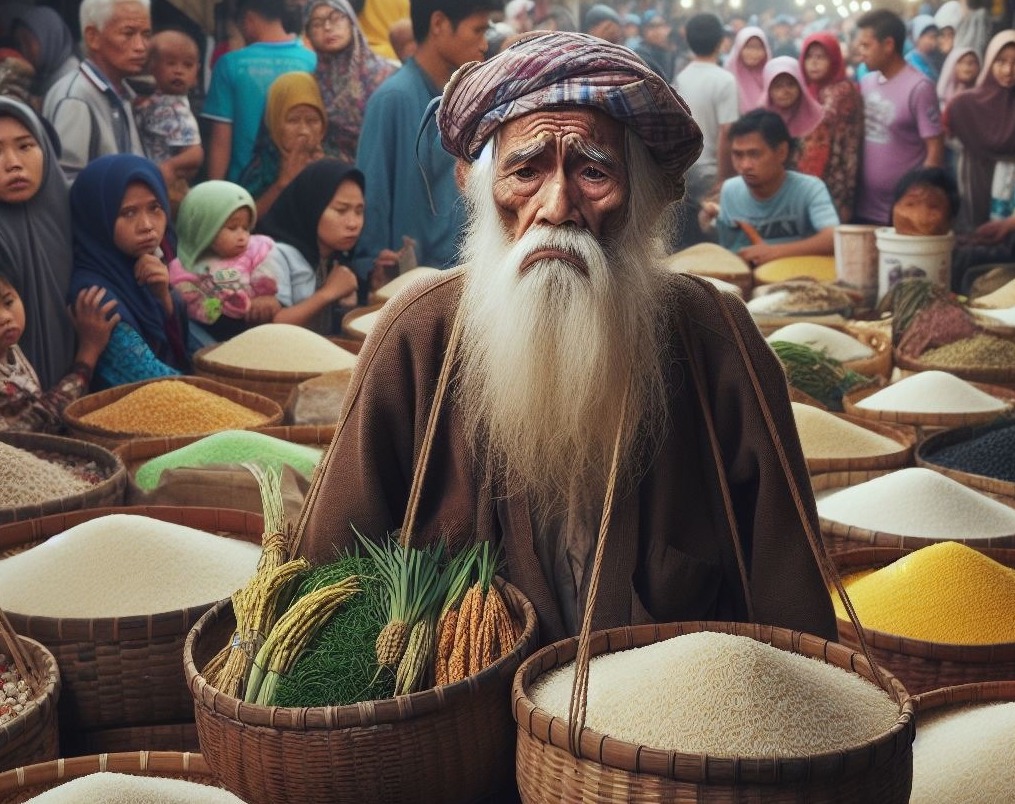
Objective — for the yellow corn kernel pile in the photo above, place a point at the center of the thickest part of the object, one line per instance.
(946, 592)
(171, 407)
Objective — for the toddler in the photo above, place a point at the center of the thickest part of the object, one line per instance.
(24, 406)
(165, 122)
(225, 275)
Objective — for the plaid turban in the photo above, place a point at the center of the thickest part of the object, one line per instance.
(549, 69)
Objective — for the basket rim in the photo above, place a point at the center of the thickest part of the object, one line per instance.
(201, 361)
(132, 762)
(888, 460)
(134, 626)
(249, 399)
(115, 483)
(974, 692)
(1000, 374)
(960, 652)
(850, 405)
(398, 709)
(701, 767)
(40, 705)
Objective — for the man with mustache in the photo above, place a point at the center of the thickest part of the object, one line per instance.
(569, 383)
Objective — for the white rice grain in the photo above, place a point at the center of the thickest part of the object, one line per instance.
(932, 392)
(835, 344)
(124, 788)
(281, 347)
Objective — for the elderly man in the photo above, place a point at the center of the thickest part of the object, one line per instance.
(90, 108)
(564, 382)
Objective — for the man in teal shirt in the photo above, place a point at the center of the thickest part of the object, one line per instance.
(240, 81)
(411, 190)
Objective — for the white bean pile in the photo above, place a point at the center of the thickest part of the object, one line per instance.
(723, 695)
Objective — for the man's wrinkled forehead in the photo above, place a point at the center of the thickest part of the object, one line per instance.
(575, 132)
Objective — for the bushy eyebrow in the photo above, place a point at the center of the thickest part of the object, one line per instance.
(524, 154)
(573, 143)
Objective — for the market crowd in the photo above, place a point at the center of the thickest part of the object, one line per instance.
(153, 200)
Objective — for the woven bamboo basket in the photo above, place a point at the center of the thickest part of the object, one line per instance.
(121, 672)
(448, 744)
(110, 438)
(927, 447)
(106, 492)
(1003, 376)
(929, 420)
(350, 330)
(27, 782)
(919, 664)
(610, 770)
(903, 456)
(276, 385)
(877, 338)
(34, 735)
(963, 694)
(839, 537)
(136, 453)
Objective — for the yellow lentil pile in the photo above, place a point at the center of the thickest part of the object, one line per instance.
(123, 565)
(980, 350)
(824, 435)
(946, 592)
(28, 480)
(171, 407)
(964, 754)
(723, 695)
(123, 788)
(282, 347)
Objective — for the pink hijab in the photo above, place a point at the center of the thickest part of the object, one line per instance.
(750, 82)
(947, 88)
(803, 117)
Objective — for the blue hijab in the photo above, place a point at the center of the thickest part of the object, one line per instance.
(95, 200)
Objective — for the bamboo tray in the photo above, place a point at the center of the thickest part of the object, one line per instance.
(1006, 395)
(898, 459)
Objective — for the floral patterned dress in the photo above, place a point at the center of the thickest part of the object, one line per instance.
(24, 406)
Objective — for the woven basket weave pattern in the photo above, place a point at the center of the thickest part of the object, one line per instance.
(34, 735)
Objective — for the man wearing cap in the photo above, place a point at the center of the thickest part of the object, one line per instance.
(563, 384)
(655, 46)
(603, 22)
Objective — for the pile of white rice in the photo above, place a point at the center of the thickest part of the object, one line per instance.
(281, 347)
(124, 788)
(835, 344)
(932, 392)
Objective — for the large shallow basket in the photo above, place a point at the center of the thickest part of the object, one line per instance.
(901, 457)
(108, 491)
(611, 770)
(276, 385)
(122, 676)
(929, 420)
(840, 537)
(994, 375)
(449, 744)
(927, 447)
(921, 665)
(111, 438)
(27, 782)
(34, 735)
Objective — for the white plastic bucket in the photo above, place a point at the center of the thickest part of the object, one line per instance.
(913, 257)
(856, 260)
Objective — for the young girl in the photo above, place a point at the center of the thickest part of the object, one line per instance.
(784, 95)
(119, 220)
(747, 61)
(24, 406)
(959, 74)
(315, 223)
(225, 275)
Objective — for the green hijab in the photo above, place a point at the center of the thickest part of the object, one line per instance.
(203, 212)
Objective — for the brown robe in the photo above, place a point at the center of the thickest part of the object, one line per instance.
(669, 553)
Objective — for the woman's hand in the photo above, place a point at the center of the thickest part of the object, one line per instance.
(385, 268)
(339, 283)
(262, 310)
(150, 271)
(94, 322)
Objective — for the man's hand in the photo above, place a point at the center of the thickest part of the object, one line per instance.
(760, 254)
(707, 214)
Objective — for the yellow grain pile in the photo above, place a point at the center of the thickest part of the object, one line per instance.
(723, 695)
(172, 407)
(123, 788)
(964, 754)
(121, 565)
(946, 592)
(26, 479)
(824, 435)
(284, 348)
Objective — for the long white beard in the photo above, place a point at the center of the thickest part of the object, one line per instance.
(546, 356)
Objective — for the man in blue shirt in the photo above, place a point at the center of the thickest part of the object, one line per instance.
(240, 81)
(410, 187)
(793, 213)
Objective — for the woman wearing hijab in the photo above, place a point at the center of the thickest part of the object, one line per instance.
(832, 150)
(46, 41)
(35, 243)
(958, 74)
(315, 224)
(785, 95)
(348, 72)
(982, 120)
(291, 137)
(746, 61)
(119, 213)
